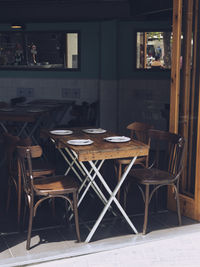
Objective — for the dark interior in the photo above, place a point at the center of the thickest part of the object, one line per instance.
(68, 10)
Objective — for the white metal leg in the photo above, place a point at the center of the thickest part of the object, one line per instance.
(91, 181)
(4, 127)
(95, 186)
(112, 197)
(70, 165)
(87, 174)
(84, 172)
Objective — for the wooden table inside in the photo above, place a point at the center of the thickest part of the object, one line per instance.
(100, 149)
(20, 114)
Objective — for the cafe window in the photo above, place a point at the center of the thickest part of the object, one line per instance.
(39, 50)
(153, 50)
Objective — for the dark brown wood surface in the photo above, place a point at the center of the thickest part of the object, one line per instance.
(24, 115)
(21, 114)
(100, 149)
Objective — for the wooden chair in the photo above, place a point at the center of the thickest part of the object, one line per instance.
(40, 167)
(166, 170)
(17, 100)
(45, 187)
(139, 131)
(84, 115)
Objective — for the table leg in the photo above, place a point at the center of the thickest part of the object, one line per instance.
(95, 186)
(19, 192)
(22, 129)
(112, 197)
(4, 127)
(84, 172)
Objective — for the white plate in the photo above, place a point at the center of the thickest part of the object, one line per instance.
(61, 132)
(94, 131)
(80, 142)
(117, 139)
(7, 109)
(35, 110)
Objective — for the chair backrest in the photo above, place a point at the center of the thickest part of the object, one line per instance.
(84, 115)
(11, 142)
(139, 130)
(17, 100)
(25, 155)
(168, 150)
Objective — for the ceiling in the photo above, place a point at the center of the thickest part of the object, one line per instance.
(75, 10)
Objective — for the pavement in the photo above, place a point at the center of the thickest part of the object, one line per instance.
(178, 247)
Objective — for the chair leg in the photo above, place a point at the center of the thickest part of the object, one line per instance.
(178, 207)
(24, 214)
(30, 225)
(76, 216)
(53, 207)
(19, 193)
(146, 209)
(8, 197)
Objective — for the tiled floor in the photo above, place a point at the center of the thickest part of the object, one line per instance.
(57, 242)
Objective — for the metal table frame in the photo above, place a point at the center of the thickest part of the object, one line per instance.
(87, 181)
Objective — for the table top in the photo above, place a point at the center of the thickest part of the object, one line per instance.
(52, 102)
(27, 114)
(99, 149)
(45, 100)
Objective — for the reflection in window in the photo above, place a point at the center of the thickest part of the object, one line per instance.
(72, 50)
(153, 50)
(11, 49)
(45, 49)
(38, 50)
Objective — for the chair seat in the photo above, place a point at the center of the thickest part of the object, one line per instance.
(55, 185)
(152, 176)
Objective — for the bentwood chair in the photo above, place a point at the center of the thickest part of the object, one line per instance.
(40, 167)
(45, 188)
(138, 131)
(166, 170)
(17, 100)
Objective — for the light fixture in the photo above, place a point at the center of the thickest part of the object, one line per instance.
(17, 26)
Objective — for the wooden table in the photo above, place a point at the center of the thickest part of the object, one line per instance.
(25, 119)
(89, 159)
(58, 108)
(48, 113)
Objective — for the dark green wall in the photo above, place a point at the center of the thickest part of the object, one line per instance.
(108, 63)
